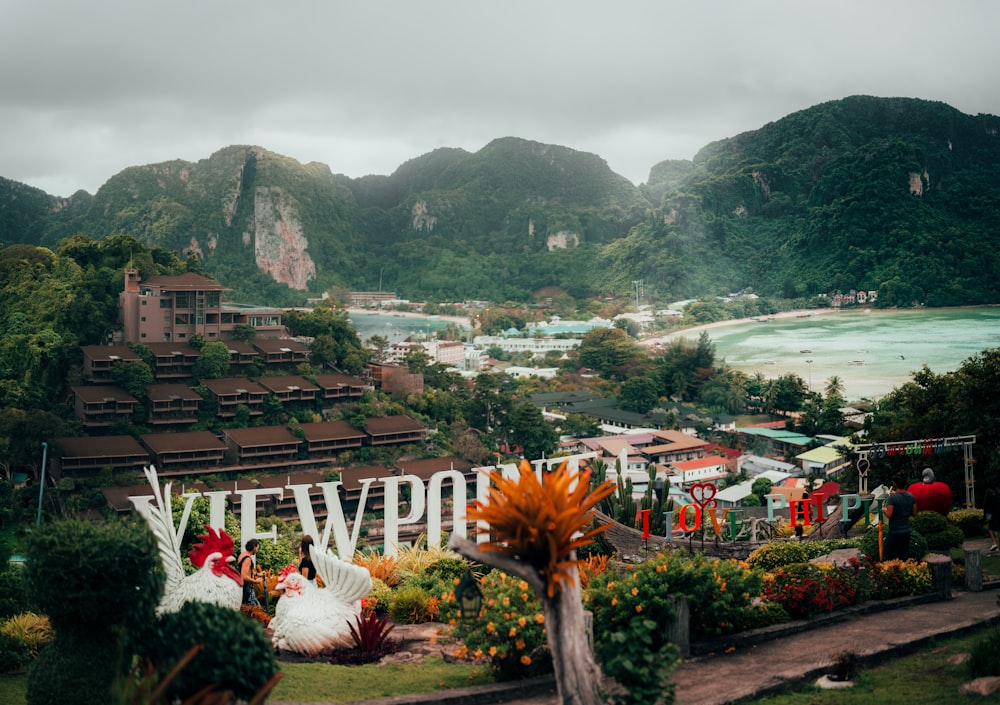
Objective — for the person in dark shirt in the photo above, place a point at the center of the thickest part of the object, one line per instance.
(306, 566)
(898, 509)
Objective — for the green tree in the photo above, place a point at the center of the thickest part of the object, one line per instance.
(529, 429)
(609, 352)
(638, 394)
(134, 377)
(212, 362)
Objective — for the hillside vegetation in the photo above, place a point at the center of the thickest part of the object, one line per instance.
(899, 196)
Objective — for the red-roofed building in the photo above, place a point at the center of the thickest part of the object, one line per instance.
(709, 469)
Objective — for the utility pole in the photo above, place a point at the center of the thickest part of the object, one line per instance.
(637, 283)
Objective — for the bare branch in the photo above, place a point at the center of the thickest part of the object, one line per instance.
(495, 559)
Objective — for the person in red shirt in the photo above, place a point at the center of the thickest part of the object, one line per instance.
(931, 496)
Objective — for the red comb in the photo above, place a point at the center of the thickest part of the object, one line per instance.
(212, 542)
(286, 571)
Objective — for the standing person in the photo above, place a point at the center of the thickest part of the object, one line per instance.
(247, 563)
(306, 566)
(931, 496)
(991, 508)
(897, 509)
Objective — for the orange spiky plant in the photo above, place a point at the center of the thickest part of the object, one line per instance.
(541, 522)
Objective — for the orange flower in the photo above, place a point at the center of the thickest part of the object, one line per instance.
(526, 660)
(541, 521)
(519, 644)
(512, 632)
(638, 608)
(521, 621)
(491, 627)
(635, 591)
(539, 618)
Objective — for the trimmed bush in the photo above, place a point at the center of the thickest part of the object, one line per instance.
(75, 668)
(237, 656)
(940, 534)
(14, 653)
(972, 522)
(88, 576)
(96, 583)
(869, 544)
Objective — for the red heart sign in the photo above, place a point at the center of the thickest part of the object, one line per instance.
(703, 494)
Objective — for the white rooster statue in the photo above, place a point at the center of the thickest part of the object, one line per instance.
(215, 581)
(309, 618)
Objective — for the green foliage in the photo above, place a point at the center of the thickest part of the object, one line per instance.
(972, 522)
(380, 596)
(237, 656)
(14, 595)
(984, 657)
(937, 531)
(869, 544)
(411, 604)
(96, 565)
(15, 654)
(75, 668)
(632, 656)
(775, 554)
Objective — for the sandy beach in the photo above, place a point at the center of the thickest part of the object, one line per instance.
(696, 330)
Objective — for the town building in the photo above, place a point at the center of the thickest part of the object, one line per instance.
(175, 308)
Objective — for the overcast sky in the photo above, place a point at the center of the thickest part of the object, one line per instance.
(90, 88)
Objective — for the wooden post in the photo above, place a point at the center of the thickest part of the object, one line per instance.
(973, 570)
(679, 629)
(941, 574)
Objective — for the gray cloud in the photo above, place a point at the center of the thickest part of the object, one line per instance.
(87, 89)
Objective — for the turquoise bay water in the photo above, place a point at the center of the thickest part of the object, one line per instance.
(872, 352)
(392, 327)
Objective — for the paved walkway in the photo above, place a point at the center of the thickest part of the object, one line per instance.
(756, 670)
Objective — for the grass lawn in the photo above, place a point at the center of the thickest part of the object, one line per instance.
(924, 678)
(314, 682)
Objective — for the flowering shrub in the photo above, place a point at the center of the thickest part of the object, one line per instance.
(720, 592)
(805, 589)
(510, 633)
(900, 578)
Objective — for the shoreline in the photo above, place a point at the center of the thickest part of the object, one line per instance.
(460, 320)
(798, 313)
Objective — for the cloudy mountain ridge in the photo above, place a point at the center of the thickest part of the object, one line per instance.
(895, 195)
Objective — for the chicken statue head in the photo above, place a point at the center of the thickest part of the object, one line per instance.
(215, 551)
(214, 581)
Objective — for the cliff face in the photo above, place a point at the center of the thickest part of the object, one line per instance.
(279, 244)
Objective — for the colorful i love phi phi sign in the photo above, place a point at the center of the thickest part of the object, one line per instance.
(427, 505)
(703, 508)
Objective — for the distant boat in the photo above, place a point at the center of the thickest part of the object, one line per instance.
(856, 362)
(805, 351)
(769, 362)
